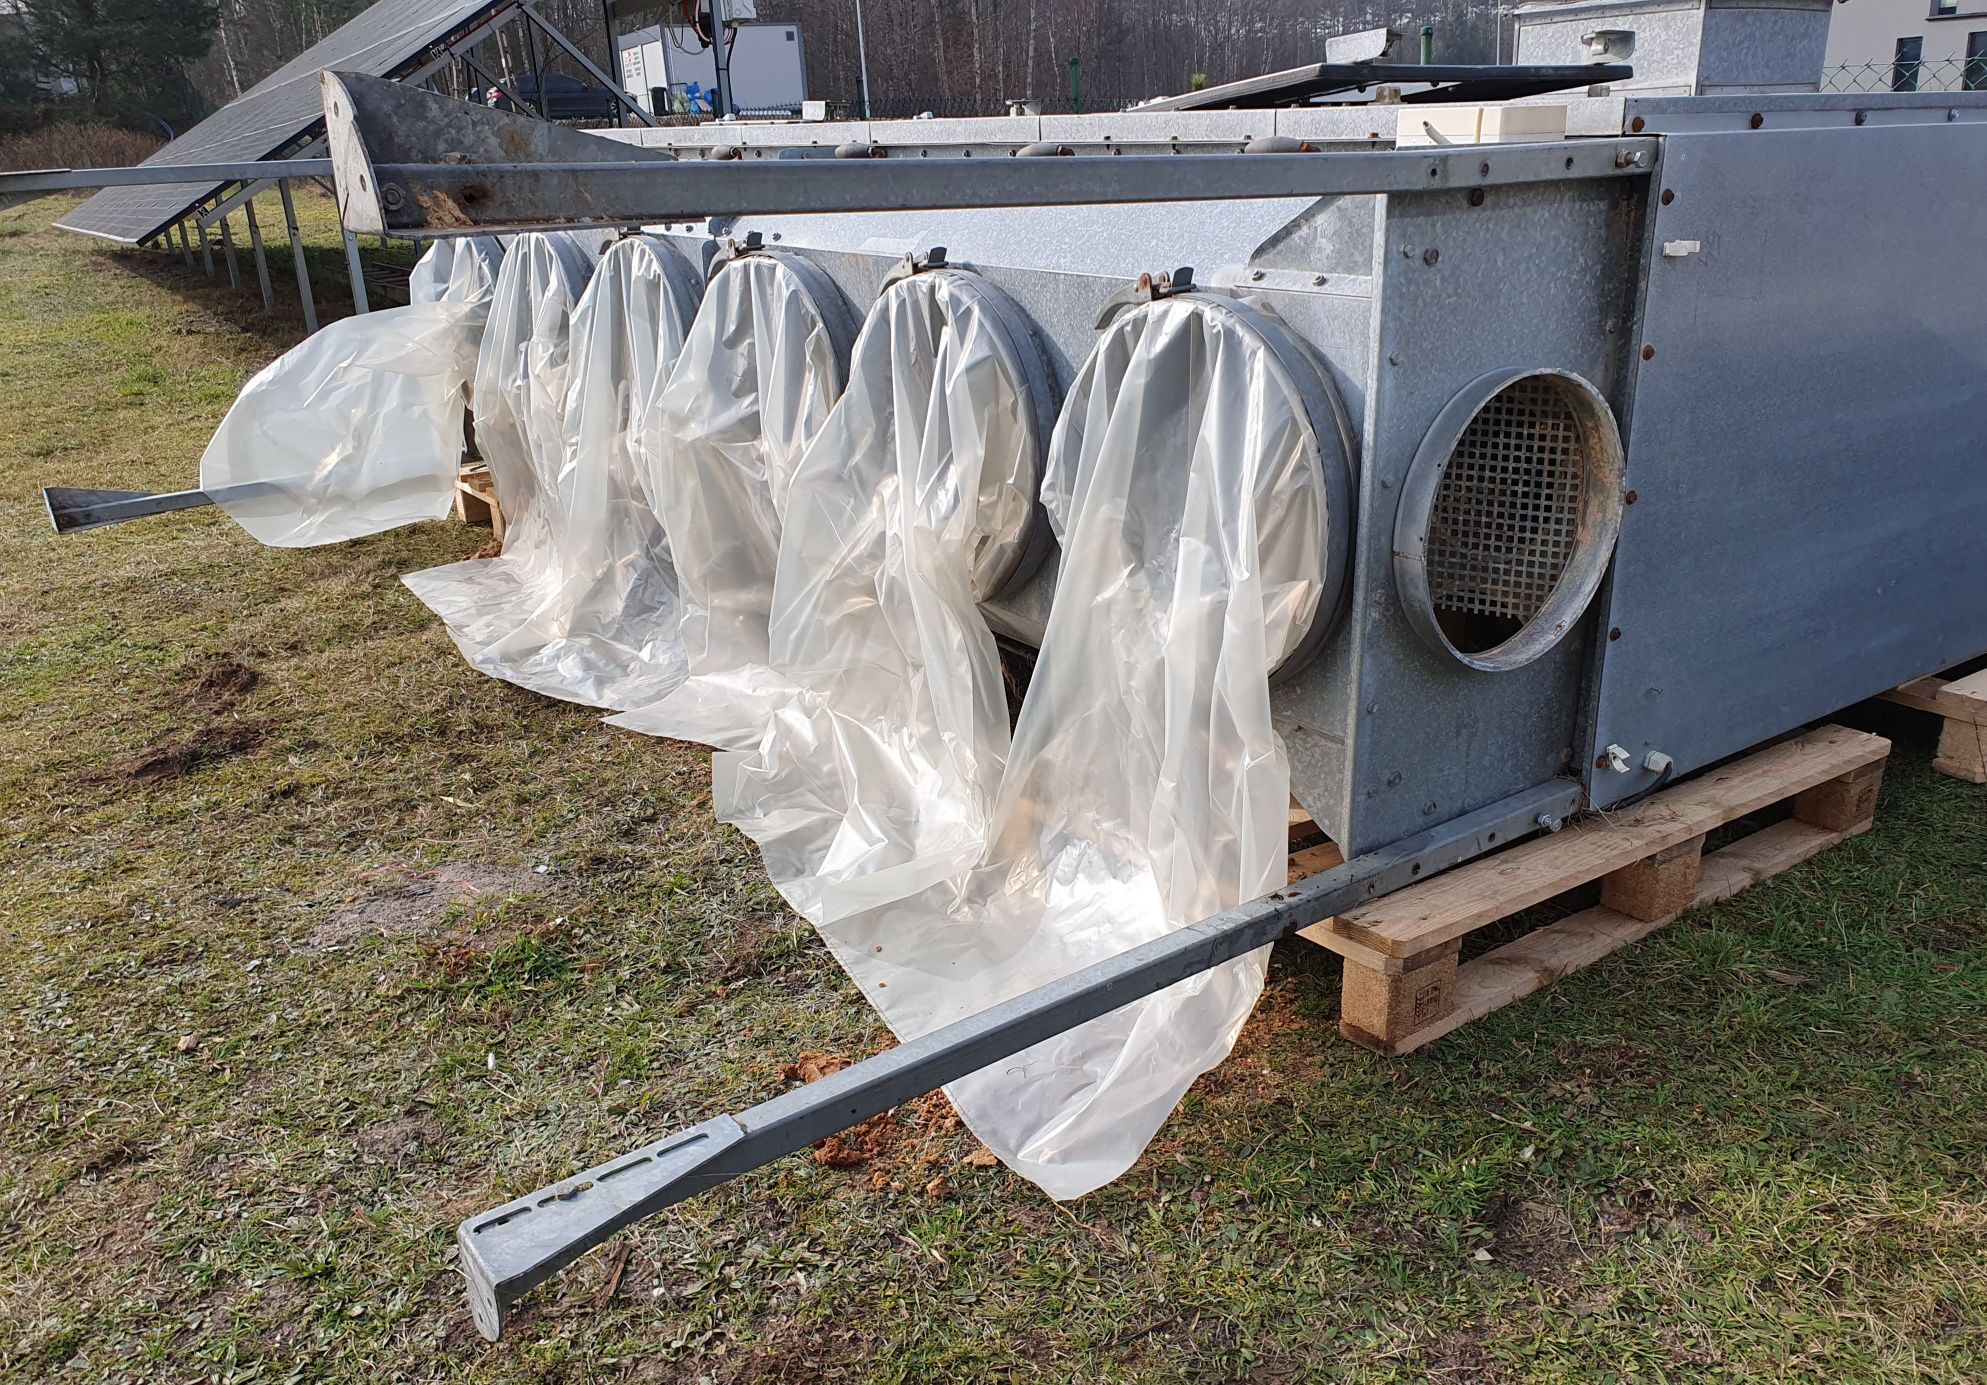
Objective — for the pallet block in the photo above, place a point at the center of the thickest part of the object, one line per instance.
(1962, 702)
(1405, 983)
(476, 500)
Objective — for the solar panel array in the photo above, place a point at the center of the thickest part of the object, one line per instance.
(387, 40)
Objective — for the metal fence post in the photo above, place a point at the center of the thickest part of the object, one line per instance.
(297, 255)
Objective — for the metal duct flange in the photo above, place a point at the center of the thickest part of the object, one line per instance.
(1215, 391)
(1508, 516)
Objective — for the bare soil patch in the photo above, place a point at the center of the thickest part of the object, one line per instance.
(416, 901)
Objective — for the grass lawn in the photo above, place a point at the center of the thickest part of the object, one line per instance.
(313, 942)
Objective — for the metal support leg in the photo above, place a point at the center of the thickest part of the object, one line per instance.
(358, 273)
(297, 256)
(508, 1249)
(206, 251)
(261, 260)
(228, 250)
(185, 245)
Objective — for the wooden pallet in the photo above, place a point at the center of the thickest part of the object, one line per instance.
(476, 499)
(1405, 983)
(1963, 704)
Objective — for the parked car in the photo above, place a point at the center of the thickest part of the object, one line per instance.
(566, 98)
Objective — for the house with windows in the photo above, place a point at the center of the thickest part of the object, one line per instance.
(1907, 45)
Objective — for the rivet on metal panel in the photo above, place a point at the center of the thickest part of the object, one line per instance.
(1394, 780)
(1648, 353)
(1569, 161)
(1430, 255)
(1862, 116)
(1635, 125)
(1428, 809)
(1256, 274)
(1628, 499)
(1318, 279)
(391, 197)
(1952, 113)
(1757, 120)
(1483, 170)
(1614, 633)
(1476, 197)
(1669, 196)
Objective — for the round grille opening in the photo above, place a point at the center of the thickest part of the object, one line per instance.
(1508, 517)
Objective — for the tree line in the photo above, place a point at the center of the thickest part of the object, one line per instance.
(161, 64)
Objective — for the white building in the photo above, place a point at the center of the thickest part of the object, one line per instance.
(1907, 45)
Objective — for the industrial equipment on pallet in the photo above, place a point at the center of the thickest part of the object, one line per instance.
(1636, 453)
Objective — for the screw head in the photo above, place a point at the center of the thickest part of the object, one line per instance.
(1669, 196)
(1648, 353)
(390, 197)
(1430, 255)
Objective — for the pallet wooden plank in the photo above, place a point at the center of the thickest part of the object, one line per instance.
(1971, 689)
(1492, 888)
(1962, 700)
(1530, 963)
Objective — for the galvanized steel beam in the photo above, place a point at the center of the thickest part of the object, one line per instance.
(385, 140)
(510, 1249)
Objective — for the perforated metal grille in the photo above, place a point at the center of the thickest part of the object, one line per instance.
(1507, 515)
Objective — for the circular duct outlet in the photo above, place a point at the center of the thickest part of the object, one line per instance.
(1508, 517)
(1208, 397)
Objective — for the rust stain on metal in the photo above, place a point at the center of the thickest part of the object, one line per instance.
(439, 210)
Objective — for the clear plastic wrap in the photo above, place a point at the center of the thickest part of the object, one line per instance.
(354, 430)
(878, 724)
(582, 604)
(457, 270)
(1145, 788)
(358, 428)
(762, 366)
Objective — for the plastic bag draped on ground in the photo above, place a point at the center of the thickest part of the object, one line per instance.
(582, 603)
(1145, 788)
(762, 366)
(358, 428)
(863, 755)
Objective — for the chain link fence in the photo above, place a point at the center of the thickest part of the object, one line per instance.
(1909, 74)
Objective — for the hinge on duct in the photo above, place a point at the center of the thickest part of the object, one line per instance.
(1149, 288)
(720, 251)
(916, 263)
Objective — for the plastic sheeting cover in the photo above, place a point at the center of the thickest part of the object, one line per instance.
(458, 270)
(1145, 787)
(754, 383)
(865, 751)
(358, 428)
(582, 604)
